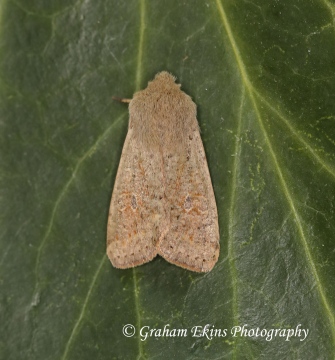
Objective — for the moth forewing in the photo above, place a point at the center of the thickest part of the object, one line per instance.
(131, 238)
(193, 239)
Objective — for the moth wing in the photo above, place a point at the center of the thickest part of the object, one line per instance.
(192, 241)
(136, 206)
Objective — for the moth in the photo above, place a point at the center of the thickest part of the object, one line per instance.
(163, 201)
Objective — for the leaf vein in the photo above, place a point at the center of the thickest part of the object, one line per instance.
(137, 86)
(288, 196)
(231, 254)
(293, 131)
(75, 329)
(64, 190)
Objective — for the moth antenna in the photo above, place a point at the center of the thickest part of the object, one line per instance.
(121, 99)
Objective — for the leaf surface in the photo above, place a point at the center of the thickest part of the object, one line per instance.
(262, 76)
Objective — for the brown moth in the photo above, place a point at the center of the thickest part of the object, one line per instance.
(163, 201)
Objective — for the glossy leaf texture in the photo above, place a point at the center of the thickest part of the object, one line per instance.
(262, 76)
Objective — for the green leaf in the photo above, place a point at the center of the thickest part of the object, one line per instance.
(262, 76)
